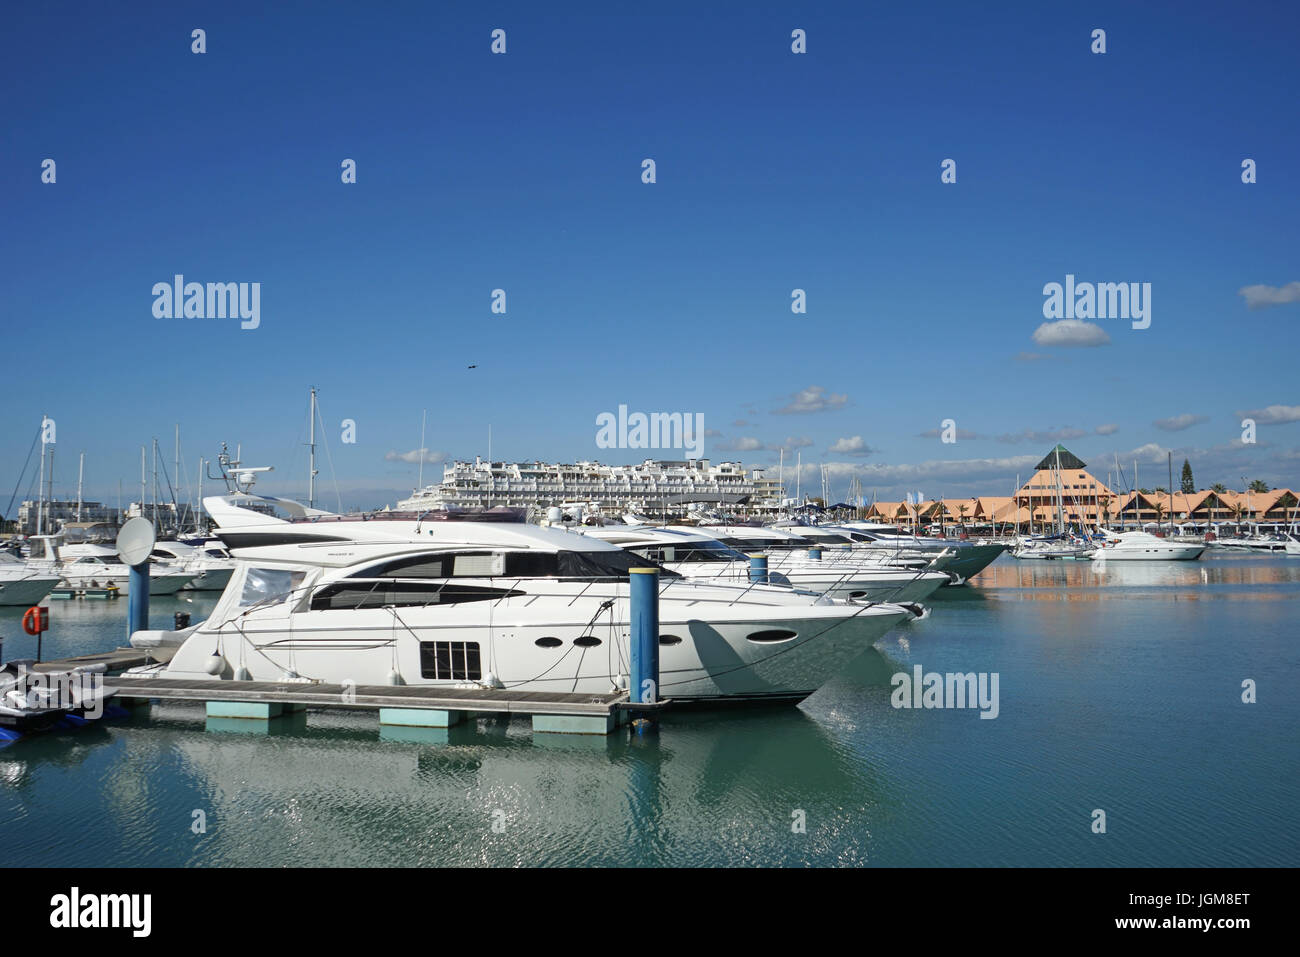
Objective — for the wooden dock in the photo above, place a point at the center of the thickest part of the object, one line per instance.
(421, 706)
(371, 697)
(119, 659)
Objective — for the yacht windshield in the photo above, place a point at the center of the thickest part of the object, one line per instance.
(750, 544)
(690, 552)
(587, 566)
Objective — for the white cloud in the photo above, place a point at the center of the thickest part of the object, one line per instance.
(791, 442)
(1261, 297)
(938, 433)
(851, 446)
(812, 399)
(1176, 423)
(1049, 435)
(740, 444)
(1273, 414)
(1110, 428)
(413, 456)
(1070, 332)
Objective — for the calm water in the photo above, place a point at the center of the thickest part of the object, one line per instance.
(1118, 690)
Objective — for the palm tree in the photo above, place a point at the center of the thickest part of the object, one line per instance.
(1219, 488)
(961, 511)
(1259, 485)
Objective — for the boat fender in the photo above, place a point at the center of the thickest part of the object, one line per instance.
(243, 674)
(215, 664)
(395, 678)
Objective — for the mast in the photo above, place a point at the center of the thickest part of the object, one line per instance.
(1060, 505)
(49, 499)
(419, 482)
(40, 486)
(143, 482)
(1171, 491)
(311, 445)
(81, 471)
(198, 512)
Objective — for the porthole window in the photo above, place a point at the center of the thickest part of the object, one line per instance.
(669, 640)
(774, 635)
(587, 641)
(548, 642)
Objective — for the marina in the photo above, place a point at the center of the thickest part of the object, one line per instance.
(1126, 715)
(648, 439)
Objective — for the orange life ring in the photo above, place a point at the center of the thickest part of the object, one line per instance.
(35, 620)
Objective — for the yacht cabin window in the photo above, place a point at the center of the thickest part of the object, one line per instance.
(265, 584)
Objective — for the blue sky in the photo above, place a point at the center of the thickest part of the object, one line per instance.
(775, 171)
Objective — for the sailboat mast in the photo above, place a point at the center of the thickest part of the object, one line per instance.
(198, 511)
(40, 487)
(1171, 492)
(419, 482)
(81, 471)
(311, 444)
(1060, 505)
(144, 483)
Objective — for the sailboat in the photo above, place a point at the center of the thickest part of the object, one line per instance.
(1061, 545)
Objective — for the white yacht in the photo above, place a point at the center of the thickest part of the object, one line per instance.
(444, 600)
(91, 566)
(967, 558)
(1052, 549)
(210, 563)
(23, 585)
(694, 552)
(1143, 546)
(783, 546)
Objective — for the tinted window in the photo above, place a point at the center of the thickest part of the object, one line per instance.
(379, 594)
(455, 660)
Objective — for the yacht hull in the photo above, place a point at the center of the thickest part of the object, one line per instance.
(27, 591)
(771, 657)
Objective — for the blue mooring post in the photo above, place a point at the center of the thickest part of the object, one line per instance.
(758, 569)
(137, 600)
(644, 677)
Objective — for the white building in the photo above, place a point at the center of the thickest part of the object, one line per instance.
(650, 487)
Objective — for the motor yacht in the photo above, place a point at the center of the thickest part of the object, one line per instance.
(693, 552)
(968, 558)
(90, 566)
(21, 584)
(210, 563)
(444, 599)
(1143, 546)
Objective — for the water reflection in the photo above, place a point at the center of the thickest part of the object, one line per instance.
(1218, 577)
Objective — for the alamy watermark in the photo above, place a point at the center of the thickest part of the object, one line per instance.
(657, 430)
(67, 690)
(1103, 300)
(933, 690)
(179, 299)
